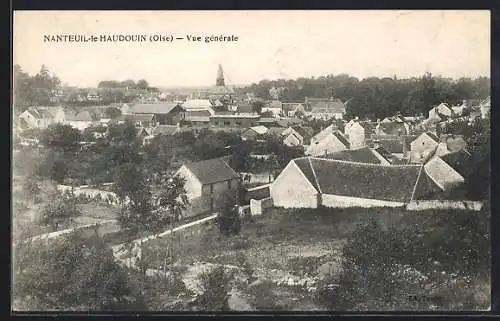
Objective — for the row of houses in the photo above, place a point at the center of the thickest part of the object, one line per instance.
(349, 178)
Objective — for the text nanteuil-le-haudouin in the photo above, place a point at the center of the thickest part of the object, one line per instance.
(139, 38)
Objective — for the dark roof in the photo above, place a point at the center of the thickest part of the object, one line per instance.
(305, 166)
(394, 146)
(371, 181)
(197, 113)
(360, 155)
(162, 108)
(212, 170)
(460, 161)
(407, 139)
(341, 137)
(139, 117)
(244, 108)
(305, 132)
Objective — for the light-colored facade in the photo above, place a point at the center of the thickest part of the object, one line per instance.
(292, 189)
(356, 134)
(423, 147)
(327, 145)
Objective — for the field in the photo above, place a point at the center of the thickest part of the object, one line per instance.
(287, 251)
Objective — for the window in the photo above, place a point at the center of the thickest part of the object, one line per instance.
(229, 184)
(211, 188)
(227, 123)
(216, 122)
(238, 123)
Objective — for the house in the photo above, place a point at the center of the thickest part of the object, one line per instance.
(309, 182)
(358, 132)
(289, 121)
(165, 113)
(141, 120)
(485, 106)
(323, 133)
(42, 116)
(254, 132)
(244, 108)
(442, 111)
(209, 184)
(323, 108)
(330, 143)
(360, 155)
(238, 120)
(423, 147)
(443, 175)
(396, 147)
(293, 109)
(297, 136)
(79, 120)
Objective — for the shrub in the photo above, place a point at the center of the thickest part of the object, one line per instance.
(216, 285)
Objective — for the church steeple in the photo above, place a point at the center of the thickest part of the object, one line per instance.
(220, 77)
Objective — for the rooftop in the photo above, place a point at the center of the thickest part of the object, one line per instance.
(212, 170)
(400, 183)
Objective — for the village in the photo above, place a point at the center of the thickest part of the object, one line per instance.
(215, 158)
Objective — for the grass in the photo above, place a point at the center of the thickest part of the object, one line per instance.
(298, 242)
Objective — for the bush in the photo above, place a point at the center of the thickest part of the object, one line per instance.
(216, 285)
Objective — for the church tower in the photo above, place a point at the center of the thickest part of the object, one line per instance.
(220, 77)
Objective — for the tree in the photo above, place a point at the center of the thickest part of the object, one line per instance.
(72, 273)
(61, 137)
(216, 285)
(142, 84)
(228, 220)
(113, 112)
(257, 106)
(59, 211)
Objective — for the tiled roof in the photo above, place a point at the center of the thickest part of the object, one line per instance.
(244, 108)
(461, 161)
(139, 117)
(341, 137)
(443, 174)
(394, 146)
(197, 113)
(360, 155)
(212, 170)
(161, 108)
(371, 181)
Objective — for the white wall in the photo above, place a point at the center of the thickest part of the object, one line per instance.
(193, 185)
(292, 190)
(330, 144)
(356, 135)
(422, 147)
(329, 200)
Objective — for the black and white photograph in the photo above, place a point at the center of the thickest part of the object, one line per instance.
(254, 161)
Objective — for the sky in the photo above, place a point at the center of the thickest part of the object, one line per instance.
(271, 45)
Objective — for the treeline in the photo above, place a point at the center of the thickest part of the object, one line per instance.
(376, 97)
(126, 84)
(44, 89)
(34, 90)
